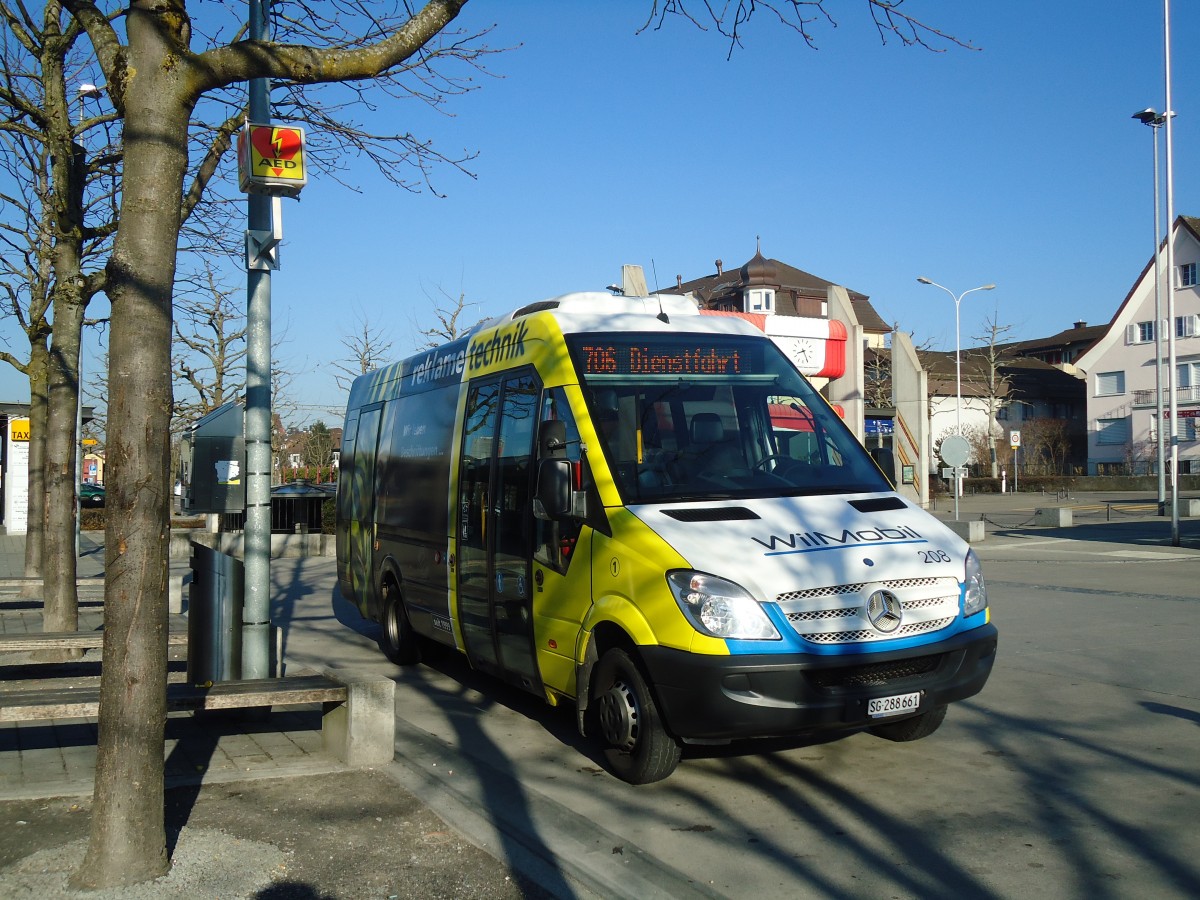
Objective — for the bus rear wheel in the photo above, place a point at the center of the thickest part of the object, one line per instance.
(636, 744)
(397, 639)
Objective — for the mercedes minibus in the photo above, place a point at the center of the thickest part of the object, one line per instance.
(649, 514)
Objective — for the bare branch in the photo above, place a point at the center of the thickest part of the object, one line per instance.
(730, 20)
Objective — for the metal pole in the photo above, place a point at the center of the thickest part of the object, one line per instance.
(256, 604)
(1171, 373)
(957, 368)
(1158, 319)
(957, 398)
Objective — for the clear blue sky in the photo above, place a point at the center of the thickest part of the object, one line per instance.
(866, 165)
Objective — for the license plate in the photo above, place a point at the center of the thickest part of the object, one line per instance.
(893, 706)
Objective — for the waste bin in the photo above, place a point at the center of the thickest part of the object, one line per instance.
(215, 616)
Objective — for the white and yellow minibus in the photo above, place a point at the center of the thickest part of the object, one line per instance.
(648, 513)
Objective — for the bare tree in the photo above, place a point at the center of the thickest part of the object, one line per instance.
(991, 358)
(1046, 446)
(449, 314)
(369, 347)
(58, 223)
(157, 101)
(316, 445)
(26, 276)
(210, 348)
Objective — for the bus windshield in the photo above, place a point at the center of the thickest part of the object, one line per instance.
(696, 417)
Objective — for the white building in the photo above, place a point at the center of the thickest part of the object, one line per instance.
(1119, 369)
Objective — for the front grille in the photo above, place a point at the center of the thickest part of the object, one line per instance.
(879, 674)
(813, 593)
(816, 615)
(848, 637)
(821, 615)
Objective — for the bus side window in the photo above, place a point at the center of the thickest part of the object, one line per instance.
(555, 540)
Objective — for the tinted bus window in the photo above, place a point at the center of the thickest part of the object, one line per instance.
(414, 461)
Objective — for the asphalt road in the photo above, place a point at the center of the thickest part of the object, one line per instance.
(1074, 774)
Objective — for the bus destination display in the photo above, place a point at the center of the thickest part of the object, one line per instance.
(666, 358)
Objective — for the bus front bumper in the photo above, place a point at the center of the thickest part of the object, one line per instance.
(716, 698)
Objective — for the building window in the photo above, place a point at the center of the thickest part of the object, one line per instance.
(1185, 326)
(1110, 384)
(1187, 428)
(1112, 431)
(1187, 275)
(1139, 333)
(760, 301)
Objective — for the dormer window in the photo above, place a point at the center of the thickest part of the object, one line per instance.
(760, 300)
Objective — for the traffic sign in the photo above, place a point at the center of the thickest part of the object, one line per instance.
(955, 450)
(1014, 439)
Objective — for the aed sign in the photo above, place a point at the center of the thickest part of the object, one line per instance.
(271, 160)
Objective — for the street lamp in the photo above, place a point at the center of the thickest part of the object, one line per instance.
(957, 347)
(958, 384)
(1156, 120)
(1172, 374)
(85, 91)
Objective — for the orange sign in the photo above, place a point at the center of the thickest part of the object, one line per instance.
(271, 160)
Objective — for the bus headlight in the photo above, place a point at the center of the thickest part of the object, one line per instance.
(720, 608)
(974, 589)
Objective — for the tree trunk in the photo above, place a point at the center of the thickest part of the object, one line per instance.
(39, 363)
(61, 612)
(128, 840)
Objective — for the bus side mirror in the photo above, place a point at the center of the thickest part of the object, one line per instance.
(552, 498)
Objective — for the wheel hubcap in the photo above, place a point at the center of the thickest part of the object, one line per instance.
(619, 716)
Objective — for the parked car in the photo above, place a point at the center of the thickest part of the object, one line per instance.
(91, 495)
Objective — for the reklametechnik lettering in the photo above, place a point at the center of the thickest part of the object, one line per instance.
(503, 346)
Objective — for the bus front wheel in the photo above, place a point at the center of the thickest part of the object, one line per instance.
(636, 744)
(397, 639)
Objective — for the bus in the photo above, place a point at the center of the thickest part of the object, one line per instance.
(649, 514)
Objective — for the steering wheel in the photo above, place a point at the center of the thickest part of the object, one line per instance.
(772, 457)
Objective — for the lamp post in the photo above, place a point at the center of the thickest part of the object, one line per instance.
(1172, 375)
(1156, 120)
(958, 370)
(85, 91)
(957, 345)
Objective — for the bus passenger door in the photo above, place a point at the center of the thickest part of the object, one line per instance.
(495, 527)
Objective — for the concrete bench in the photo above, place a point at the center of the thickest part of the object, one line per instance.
(357, 723)
(68, 640)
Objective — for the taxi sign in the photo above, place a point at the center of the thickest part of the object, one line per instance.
(271, 160)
